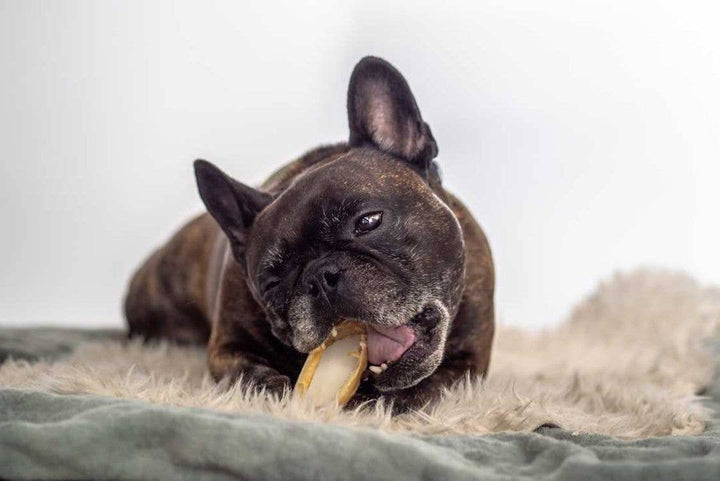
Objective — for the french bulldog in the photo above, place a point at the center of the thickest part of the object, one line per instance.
(359, 230)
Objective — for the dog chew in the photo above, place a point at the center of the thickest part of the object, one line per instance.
(332, 372)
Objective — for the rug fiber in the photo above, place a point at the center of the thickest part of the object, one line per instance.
(628, 362)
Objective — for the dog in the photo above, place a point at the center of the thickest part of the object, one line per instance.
(359, 230)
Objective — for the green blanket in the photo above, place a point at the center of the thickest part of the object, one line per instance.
(46, 436)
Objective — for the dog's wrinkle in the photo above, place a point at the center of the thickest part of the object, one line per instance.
(332, 307)
(291, 291)
(379, 260)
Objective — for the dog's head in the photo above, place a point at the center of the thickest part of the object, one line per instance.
(359, 237)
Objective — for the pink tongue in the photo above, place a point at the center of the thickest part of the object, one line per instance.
(387, 344)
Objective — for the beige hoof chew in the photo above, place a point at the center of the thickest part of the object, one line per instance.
(332, 372)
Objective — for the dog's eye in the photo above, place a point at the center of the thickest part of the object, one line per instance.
(368, 222)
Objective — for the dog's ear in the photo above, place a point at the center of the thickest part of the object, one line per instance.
(232, 204)
(382, 112)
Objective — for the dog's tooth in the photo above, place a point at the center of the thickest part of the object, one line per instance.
(376, 369)
(383, 366)
(333, 333)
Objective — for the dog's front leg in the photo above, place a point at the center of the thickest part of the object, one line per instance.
(227, 360)
(241, 346)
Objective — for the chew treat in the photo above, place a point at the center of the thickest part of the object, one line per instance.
(332, 372)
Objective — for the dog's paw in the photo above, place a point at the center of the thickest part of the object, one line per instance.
(277, 385)
(267, 380)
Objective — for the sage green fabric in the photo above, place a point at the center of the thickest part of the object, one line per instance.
(47, 436)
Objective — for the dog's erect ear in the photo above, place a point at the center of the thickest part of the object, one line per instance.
(232, 204)
(382, 111)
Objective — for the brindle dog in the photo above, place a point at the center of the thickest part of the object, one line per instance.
(360, 230)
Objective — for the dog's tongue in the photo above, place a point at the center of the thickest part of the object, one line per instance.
(387, 344)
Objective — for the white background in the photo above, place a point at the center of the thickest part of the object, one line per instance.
(585, 136)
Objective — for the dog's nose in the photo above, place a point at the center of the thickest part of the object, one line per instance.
(322, 278)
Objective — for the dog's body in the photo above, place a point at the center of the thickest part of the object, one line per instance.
(361, 230)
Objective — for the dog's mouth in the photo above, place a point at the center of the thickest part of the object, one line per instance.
(387, 344)
(397, 356)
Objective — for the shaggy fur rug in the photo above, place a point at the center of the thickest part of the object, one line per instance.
(628, 362)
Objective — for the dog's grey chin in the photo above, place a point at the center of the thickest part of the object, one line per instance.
(304, 344)
(390, 380)
(306, 332)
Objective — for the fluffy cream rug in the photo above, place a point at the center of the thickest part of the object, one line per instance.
(627, 363)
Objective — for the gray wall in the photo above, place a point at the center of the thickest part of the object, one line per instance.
(584, 135)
